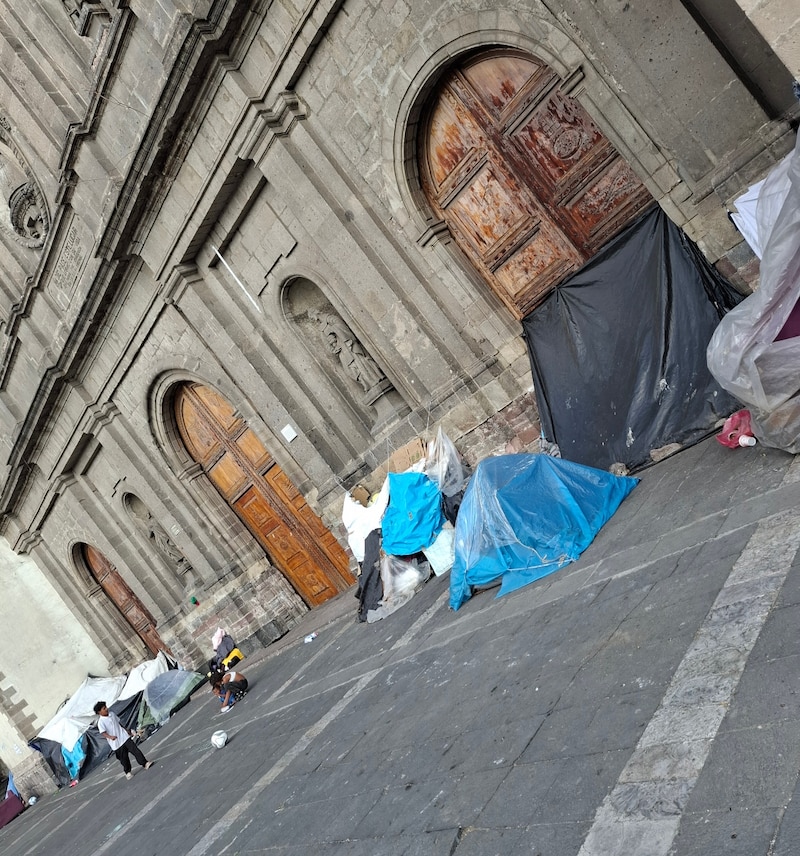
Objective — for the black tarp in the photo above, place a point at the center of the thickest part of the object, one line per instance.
(618, 350)
(95, 747)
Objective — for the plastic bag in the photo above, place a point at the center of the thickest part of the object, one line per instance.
(749, 354)
(443, 464)
(399, 577)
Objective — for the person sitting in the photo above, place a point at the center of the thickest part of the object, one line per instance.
(229, 688)
(224, 648)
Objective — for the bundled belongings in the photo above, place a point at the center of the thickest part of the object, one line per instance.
(414, 515)
(406, 531)
(755, 351)
(10, 807)
(527, 515)
(226, 654)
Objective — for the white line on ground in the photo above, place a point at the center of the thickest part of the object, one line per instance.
(642, 814)
(244, 804)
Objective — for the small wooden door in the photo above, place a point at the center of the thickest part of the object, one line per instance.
(527, 184)
(132, 609)
(244, 473)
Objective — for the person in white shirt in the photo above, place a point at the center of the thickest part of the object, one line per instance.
(119, 738)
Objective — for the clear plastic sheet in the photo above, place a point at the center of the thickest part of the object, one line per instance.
(443, 464)
(401, 578)
(751, 355)
(165, 693)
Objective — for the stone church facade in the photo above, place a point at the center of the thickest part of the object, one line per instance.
(250, 249)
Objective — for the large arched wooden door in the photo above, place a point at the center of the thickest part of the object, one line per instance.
(527, 184)
(258, 490)
(132, 609)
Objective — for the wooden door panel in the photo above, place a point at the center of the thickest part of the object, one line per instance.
(228, 476)
(284, 548)
(527, 183)
(454, 135)
(265, 499)
(253, 449)
(490, 209)
(508, 85)
(560, 140)
(546, 257)
(119, 592)
(606, 204)
(218, 407)
(204, 443)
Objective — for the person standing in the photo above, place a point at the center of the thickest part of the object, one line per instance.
(119, 738)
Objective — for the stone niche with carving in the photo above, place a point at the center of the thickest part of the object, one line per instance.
(342, 353)
(23, 210)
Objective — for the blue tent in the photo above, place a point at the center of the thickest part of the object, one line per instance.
(525, 516)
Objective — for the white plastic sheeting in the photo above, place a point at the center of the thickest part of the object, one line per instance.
(77, 713)
(360, 521)
(745, 355)
(140, 676)
(758, 207)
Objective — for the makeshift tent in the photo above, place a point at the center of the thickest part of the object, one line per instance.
(525, 516)
(168, 692)
(755, 350)
(618, 349)
(71, 743)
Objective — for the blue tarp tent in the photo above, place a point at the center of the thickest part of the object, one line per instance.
(525, 516)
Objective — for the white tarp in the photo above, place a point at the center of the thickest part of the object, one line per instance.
(758, 207)
(77, 713)
(140, 676)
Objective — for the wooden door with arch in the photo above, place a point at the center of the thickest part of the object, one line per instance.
(119, 592)
(263, 497)
(527, 184)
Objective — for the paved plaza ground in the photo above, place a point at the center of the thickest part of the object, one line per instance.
(644, 700)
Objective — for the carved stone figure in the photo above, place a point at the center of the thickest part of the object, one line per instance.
(342, 342)
(27, 217)
(158, 536)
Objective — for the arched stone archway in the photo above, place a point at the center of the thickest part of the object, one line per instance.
(526, 183)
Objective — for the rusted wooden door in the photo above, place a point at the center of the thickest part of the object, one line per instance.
(132, 609)
(526, 182)
(242, 470)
